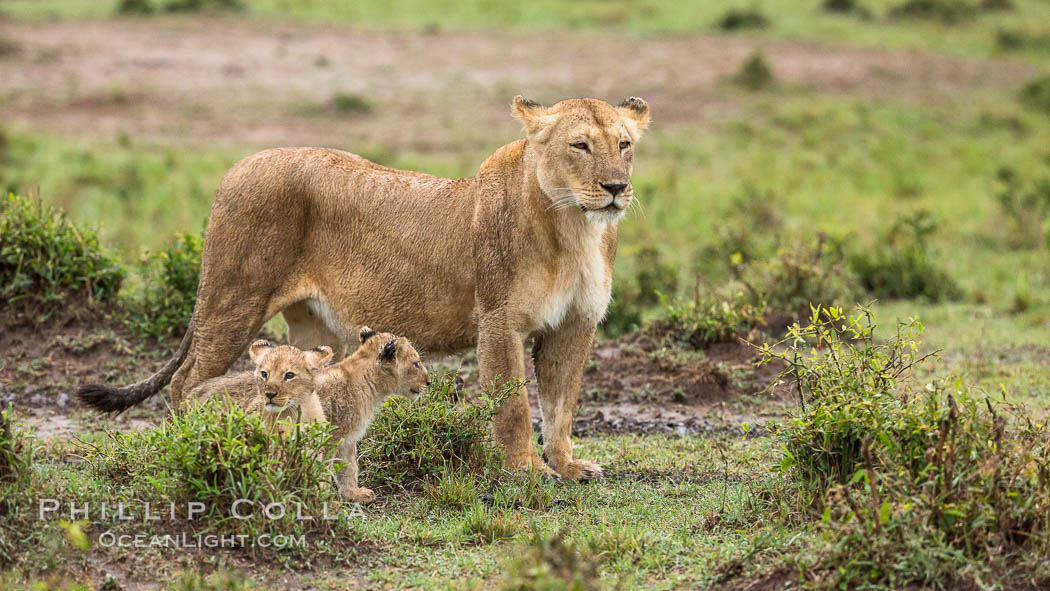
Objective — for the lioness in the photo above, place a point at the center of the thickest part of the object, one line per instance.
(524, 248)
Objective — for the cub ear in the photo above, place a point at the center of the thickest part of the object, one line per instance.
(318, 356)
(258, 349)
(536, 118)
(366, 333)
(389, 352)
(635, 112)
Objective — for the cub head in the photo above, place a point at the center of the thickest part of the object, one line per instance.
(284, 375)
(398, 360)
(584, 150)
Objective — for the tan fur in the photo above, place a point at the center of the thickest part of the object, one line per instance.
(524, 248)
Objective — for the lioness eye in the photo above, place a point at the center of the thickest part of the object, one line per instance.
(624, 145)
(581, 146)
(416, 364)
(289, 376)
(263, 374)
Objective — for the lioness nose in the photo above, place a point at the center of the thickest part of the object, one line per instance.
(614, 189)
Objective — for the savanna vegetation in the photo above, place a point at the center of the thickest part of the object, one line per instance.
(879, 233)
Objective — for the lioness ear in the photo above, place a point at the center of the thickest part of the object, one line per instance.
(536, 118)
(258, 349)
(635, 113)
(318, 356)
(389, 352)
(366, 333)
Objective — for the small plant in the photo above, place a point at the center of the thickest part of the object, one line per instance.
(349, 102)
(135, 7)
(845, 7)
(413, 441)
(551, 563)
(703, 321)
(914, 484)
(1016, 39)
(901, 264)
(755, 74)
(14, 450)
(151, 6)
(166, 304)
(804, 272)
(637, 293)
(1036, 95)
(47, 263)
(1026, 207)
(736, 19)
(488, 526)
(946, 11)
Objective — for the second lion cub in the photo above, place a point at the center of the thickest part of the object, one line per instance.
(288, 382)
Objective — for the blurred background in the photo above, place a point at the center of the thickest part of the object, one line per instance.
(839, 150)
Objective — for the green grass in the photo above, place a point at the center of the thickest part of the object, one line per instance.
(787, 19)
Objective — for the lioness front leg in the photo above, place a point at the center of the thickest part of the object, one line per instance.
(501, 354)
(559, 356)
(347, 477)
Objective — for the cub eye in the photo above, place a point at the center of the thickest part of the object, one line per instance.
(624, 145)
(416, 364)
(289, 376)
(263, 374)
(581, 146)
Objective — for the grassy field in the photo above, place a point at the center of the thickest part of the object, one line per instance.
(869, 121)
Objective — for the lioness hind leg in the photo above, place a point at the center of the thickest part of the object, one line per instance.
(306, 330)
(559, 357)
(220, 335)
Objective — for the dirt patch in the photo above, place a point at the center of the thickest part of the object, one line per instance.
(777, 579)
(636, 384)
(229, 81)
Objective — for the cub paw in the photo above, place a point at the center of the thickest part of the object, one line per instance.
(360, 495)
(580, 470)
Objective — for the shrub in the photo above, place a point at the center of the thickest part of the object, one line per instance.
(15, 450)
(754, 74)
(901, 264)
(412, 441)
(1013, 39)
(165, 306)
(704, 321)
(804, 272)
(150, 7)
(845, 7)
(1026, 208)
(551, 563)
(643, 290)
(743, 18)
(915, 484)
(216, 453)
(46, 260)
(1036, 95)
(348, 102)
(946, 11)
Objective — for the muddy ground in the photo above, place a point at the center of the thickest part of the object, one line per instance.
(635, 384)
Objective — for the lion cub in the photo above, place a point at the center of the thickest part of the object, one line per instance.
(351, 391)
(282, 385)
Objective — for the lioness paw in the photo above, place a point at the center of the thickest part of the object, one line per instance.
(580, 470)
(360, 495)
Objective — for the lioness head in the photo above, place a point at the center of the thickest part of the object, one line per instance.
(585, 149)
(284, 375)
(398, 360)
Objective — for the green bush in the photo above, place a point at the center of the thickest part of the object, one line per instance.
(901, 264)
(754, 74)
(1026, 209)
(415, 441)
(703, 321)
(946, 11)
(150, 7)
(216, 453)
(804, 272)
(915, 484)
(743, 18)
(48, 264)
(165, 305)
(634, 295)
(349, 102)
(551, 563)
(1036, 95)
(1017, 39)
(15, 450)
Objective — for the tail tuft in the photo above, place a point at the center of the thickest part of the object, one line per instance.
(109, 399)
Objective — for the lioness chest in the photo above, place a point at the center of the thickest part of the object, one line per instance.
(577, 283)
